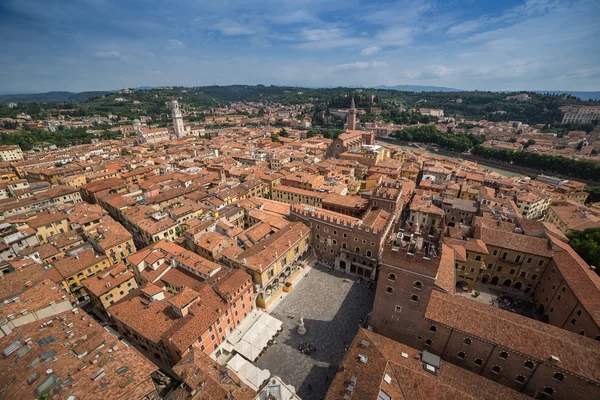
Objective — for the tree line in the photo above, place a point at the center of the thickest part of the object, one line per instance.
(461, 142)
(430, 134)
(587, 245)
(576, 168)
(27, 139)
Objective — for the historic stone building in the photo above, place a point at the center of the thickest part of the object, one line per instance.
(350, 244)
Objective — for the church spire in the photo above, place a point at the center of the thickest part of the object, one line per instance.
(351, 119)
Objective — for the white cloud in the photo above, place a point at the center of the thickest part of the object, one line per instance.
(329, 38)
(434, 71)
(584, 73)
(232, 28)
(174, 44)
(370, 50)
(318, 35)
(467, 27)
(294, 17)
(107, 54)
(395, 37)
(401, 11)
(360, 66)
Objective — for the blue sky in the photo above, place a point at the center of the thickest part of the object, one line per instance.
(81, 45)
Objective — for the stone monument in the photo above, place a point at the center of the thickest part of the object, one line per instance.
(301, 328)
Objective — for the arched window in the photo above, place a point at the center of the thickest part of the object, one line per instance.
(428, 342)
(418, 285)
(414, 298)
(392, 277)
(496, 369)
(503, 355)
(389, 290)
(558, 377)
(433, 328)
(461, 355)
(520, 379)
(368, 253)
(548, 390)
(357, 250)
(334, 242)
(528, 364)
(479, 362)
(467, 341)
(344, 246)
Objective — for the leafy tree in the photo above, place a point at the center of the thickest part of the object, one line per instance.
(576, 168)
(430, 134)
(587, 245)
(594, 192)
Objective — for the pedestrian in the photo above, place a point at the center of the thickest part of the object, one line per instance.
(326, 378)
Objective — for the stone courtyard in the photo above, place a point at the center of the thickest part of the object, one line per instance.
(331, 304)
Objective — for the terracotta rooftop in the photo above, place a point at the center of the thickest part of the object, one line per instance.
(356, 202)
(46, 218)
(514, 241)
(35, 297)
(74, 348)
(71, 265)
(387, 370)
(582, 280)
(376, 220)
(108, 279)
(265, 252)
(203, 376)
(513, 331)
(184, 298)
(576, 217)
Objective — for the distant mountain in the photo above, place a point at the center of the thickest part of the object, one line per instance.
(15, 92)
(417, 88)
(50, 97)
(582, 95)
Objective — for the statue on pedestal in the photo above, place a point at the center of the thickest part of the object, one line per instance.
(301, 327)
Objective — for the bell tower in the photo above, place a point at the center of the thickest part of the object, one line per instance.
(351, 121)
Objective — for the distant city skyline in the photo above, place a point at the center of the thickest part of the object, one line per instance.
(465, 44)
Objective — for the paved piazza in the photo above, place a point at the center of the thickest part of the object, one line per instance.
(331, 304)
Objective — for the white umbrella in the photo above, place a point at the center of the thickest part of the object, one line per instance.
(236, 363)
(245, 349)
(254, 376)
